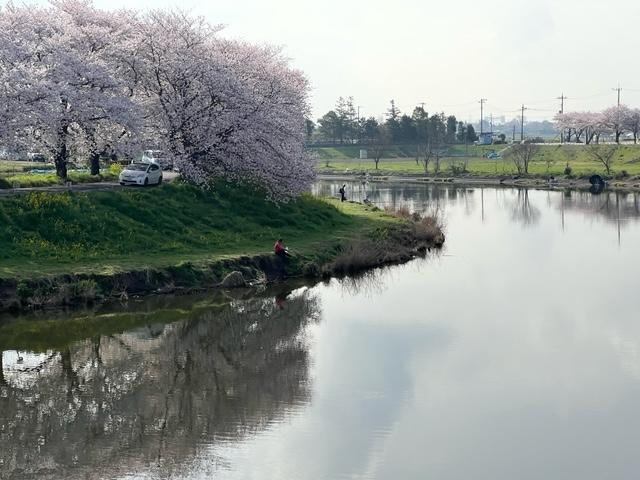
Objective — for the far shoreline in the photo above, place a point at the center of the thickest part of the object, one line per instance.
(497, 181)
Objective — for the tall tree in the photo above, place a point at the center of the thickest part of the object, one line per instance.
(393, 121)
(461, 132)
(369, 128)
(407, 129)
(310, 128)
(329, 126)
(452, 125)
(471, 133)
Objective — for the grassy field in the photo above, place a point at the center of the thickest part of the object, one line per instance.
(109, 231)
(550, 159)
(23, 180)
(14, 173)
(325, 154)
(14, 166)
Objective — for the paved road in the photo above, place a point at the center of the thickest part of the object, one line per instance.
(79, 187)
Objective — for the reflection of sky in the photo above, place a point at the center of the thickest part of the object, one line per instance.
(516, 354)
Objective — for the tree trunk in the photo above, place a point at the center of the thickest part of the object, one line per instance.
(95, 163)
(2, 379)
(62, 153)
(61, 166)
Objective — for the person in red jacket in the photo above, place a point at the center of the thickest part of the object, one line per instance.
(280, 250)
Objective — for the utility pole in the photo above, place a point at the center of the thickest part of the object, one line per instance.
(491, 123)
(618, 89)
(562, 98)
(482, 101)
(513, 137)
(522, 123)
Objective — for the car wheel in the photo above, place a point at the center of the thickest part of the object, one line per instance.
(160, 180)
(122, 183)
(146, 181)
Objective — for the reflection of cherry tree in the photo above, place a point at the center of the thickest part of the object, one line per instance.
(151, 396)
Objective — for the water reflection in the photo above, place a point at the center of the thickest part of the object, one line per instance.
(148, 398)
(615, 207)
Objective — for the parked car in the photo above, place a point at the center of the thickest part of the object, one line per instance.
(141, 173)
(37, 157)
(159, 157)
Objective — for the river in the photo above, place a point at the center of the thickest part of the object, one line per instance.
(512, 354)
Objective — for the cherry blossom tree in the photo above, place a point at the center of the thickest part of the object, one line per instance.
(632, 123)
(60, 82)
(75, 77)
(581, 126)
(222, 108)
(616, 119)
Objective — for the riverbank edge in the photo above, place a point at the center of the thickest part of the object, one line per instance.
(509, 181)
(396, 243)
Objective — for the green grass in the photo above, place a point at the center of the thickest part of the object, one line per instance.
(346, 152)
(627, 159)
(47, 179)
(15, 166)
(107, 231)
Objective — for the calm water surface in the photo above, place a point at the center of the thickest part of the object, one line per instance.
(514, 354)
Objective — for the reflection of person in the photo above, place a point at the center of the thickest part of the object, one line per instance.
(280, 250)
(280, 301)
(343, 192)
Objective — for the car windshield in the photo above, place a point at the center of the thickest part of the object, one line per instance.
(139, 167)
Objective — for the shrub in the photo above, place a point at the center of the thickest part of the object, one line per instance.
(4, 184)
(428, 230)
(457, 169)
(568, 170)
(24, 290)
(358, 256)
(400, 212)
(115, 169)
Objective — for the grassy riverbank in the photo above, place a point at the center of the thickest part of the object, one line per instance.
(49, 233)
(57, 247)
(550, 159)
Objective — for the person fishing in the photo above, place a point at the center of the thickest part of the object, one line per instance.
(280, 250)
(343, 192)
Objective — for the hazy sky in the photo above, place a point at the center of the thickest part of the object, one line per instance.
(448, 54)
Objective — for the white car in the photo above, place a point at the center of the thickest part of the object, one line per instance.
(140, 173)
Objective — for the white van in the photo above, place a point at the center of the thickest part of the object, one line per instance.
(158, 157)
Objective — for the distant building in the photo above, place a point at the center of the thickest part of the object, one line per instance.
(485, 138)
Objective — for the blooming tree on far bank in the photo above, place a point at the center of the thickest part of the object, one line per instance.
(589, 127)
